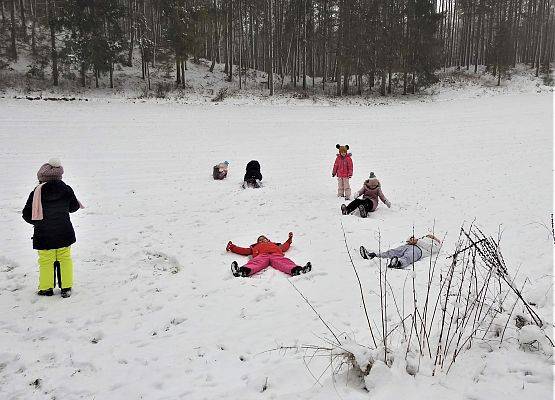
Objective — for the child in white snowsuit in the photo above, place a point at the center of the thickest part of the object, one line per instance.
(407, 254)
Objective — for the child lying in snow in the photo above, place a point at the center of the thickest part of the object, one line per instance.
(407, 254)
(265, 253)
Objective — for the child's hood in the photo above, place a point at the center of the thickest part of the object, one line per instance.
(372, 183)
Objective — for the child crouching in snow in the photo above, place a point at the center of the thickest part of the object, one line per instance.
(412, 251)
(265, 253)
(253, 176)
(47, 209)
(219, 171)
(343, 169)
(371, 191)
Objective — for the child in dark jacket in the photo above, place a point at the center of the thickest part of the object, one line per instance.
(265, 253)
(252, 175)
(47, 209)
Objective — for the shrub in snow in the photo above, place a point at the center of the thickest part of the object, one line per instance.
(162, 89)
(379, 375)
(532, 338)
(456, 314)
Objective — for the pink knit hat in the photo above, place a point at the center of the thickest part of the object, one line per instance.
(51, 171)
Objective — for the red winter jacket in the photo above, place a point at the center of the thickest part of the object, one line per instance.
(343, 166)
(261, 248)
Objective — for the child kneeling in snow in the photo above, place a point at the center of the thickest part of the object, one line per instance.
(412, 251)
(47, 209)
(265, 253)
(252, 175)
(219, 171)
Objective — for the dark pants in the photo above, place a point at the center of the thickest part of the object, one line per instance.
(353, 205)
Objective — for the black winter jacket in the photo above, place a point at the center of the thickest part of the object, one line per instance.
(253, 171)
(54, 230)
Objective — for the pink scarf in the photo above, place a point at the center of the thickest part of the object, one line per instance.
(36, 208)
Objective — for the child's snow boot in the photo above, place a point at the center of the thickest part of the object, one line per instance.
(343, 209)
(66, 292)
(46, 292)
(362, 211)
(235, 268)
(239, 271)
(366, 254)
(394, 263)
(301, 270)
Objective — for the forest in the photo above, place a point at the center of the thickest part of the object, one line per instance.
(346, 46)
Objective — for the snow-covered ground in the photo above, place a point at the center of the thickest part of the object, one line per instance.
(155, 312)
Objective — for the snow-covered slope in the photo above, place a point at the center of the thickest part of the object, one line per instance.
(155, 312)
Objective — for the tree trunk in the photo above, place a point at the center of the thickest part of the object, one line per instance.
(230, 33)
(13, 29)
(132, 32)
(33, 28)
(53, 52)
(304, 44)
(240, 45)
(183, 68)
(23, 21)
(270, 40)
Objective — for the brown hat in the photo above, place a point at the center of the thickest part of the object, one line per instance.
(342, 149)
(51, 171)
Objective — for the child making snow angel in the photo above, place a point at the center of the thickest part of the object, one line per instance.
(252, 175)
(265, 253)
(343, 169)
(371, 191)
(47, 209)
(412, 251)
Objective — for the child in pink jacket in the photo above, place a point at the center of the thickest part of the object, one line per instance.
(343, 169)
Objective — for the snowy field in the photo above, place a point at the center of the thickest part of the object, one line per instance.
(155, 312)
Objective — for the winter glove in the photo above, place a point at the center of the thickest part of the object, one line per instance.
(228, 247)
(290, 235)
(332, 175)
(388, 204)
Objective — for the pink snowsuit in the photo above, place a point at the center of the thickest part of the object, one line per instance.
(266, 254)
(343, 169)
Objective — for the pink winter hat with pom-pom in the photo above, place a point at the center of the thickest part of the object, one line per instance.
(51, 171)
